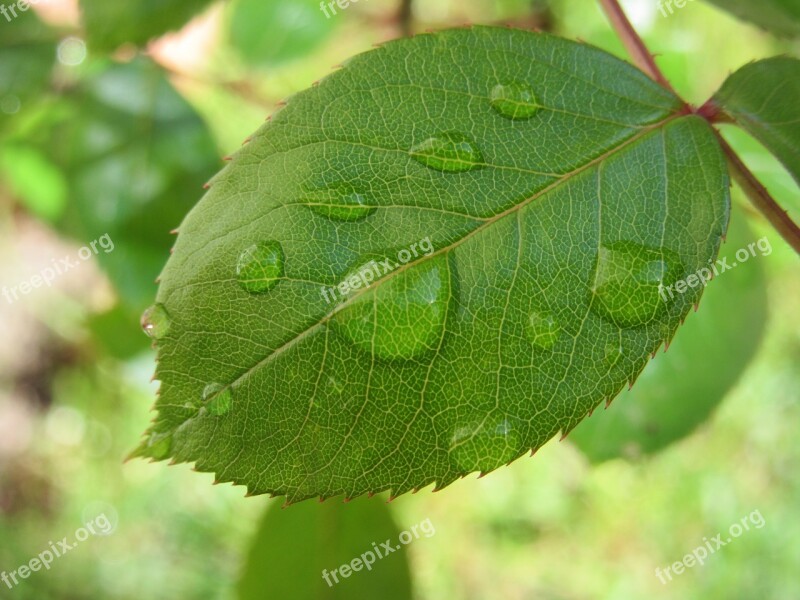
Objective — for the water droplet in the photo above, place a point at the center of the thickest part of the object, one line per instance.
(155, 321)
(260, 267)
(629, 280)
(612, 353)
(217, 398)
(542, 329)
(514, 100)
(159, 445)
(403, 316)
(484, 444)
(451, 151)
(340, 202)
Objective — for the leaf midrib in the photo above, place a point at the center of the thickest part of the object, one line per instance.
(598, 160)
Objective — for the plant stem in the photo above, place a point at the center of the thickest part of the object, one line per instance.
(760, 197)
(404, 17)
(633, 43)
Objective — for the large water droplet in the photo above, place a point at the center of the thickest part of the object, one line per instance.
(260, 267)
(629, 280)
(451, 151)
(484, 444)
(403, 316)
(542, 329)
(218, 398)
(340, 202)
(514, 100)
(159, 445)
(155, 321)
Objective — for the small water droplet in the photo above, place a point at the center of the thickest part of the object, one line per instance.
(542, 329)
(484, 444)
(340, 202)
(628, 281)
(160, 445)
(403, 316)
(155, 321)
(514, 100)
(218, 398)
(612, 353)
(451, 151)
(260, 267)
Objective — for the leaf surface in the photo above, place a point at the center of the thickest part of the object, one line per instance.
(530, 195)
(679, 389)
(764, 98)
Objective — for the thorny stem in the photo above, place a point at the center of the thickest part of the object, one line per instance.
(760, 197)
(404, 17)
(752, 187)
(633, 43)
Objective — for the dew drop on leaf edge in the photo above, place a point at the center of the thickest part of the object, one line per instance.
(451, 152)
(260, 267)
(155, 321)
(402, 317)
(514, 100)
(630, 280)
(484, 444)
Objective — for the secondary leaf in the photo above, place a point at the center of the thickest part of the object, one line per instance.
(271, 31)
(111, 24)
(764, 98)
(777, 16)
(535, 241)
(293, 547)
(679, 389)
(130, 135)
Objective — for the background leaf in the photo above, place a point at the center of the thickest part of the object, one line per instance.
(292, 547)
(781, 17)
(764, 98)
(680, 388)
(111, 24)
(558, 186)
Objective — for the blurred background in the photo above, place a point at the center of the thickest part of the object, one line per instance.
(112, 117)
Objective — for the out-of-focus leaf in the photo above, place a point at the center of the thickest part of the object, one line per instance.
(35, 181)
(136, 157)
(546, 191)
(679, 389)
(781, 17)
(111, 23)
(764, 98)
(292, 548)
(27, 55)
(270, 31)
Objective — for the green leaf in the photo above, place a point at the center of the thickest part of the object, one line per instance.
(764, 98)
(135, 156)
(32, 178)
(266, 32)
(111, 24)
(679, 389)
(293, 547)
(533, 245)
(781, 17)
